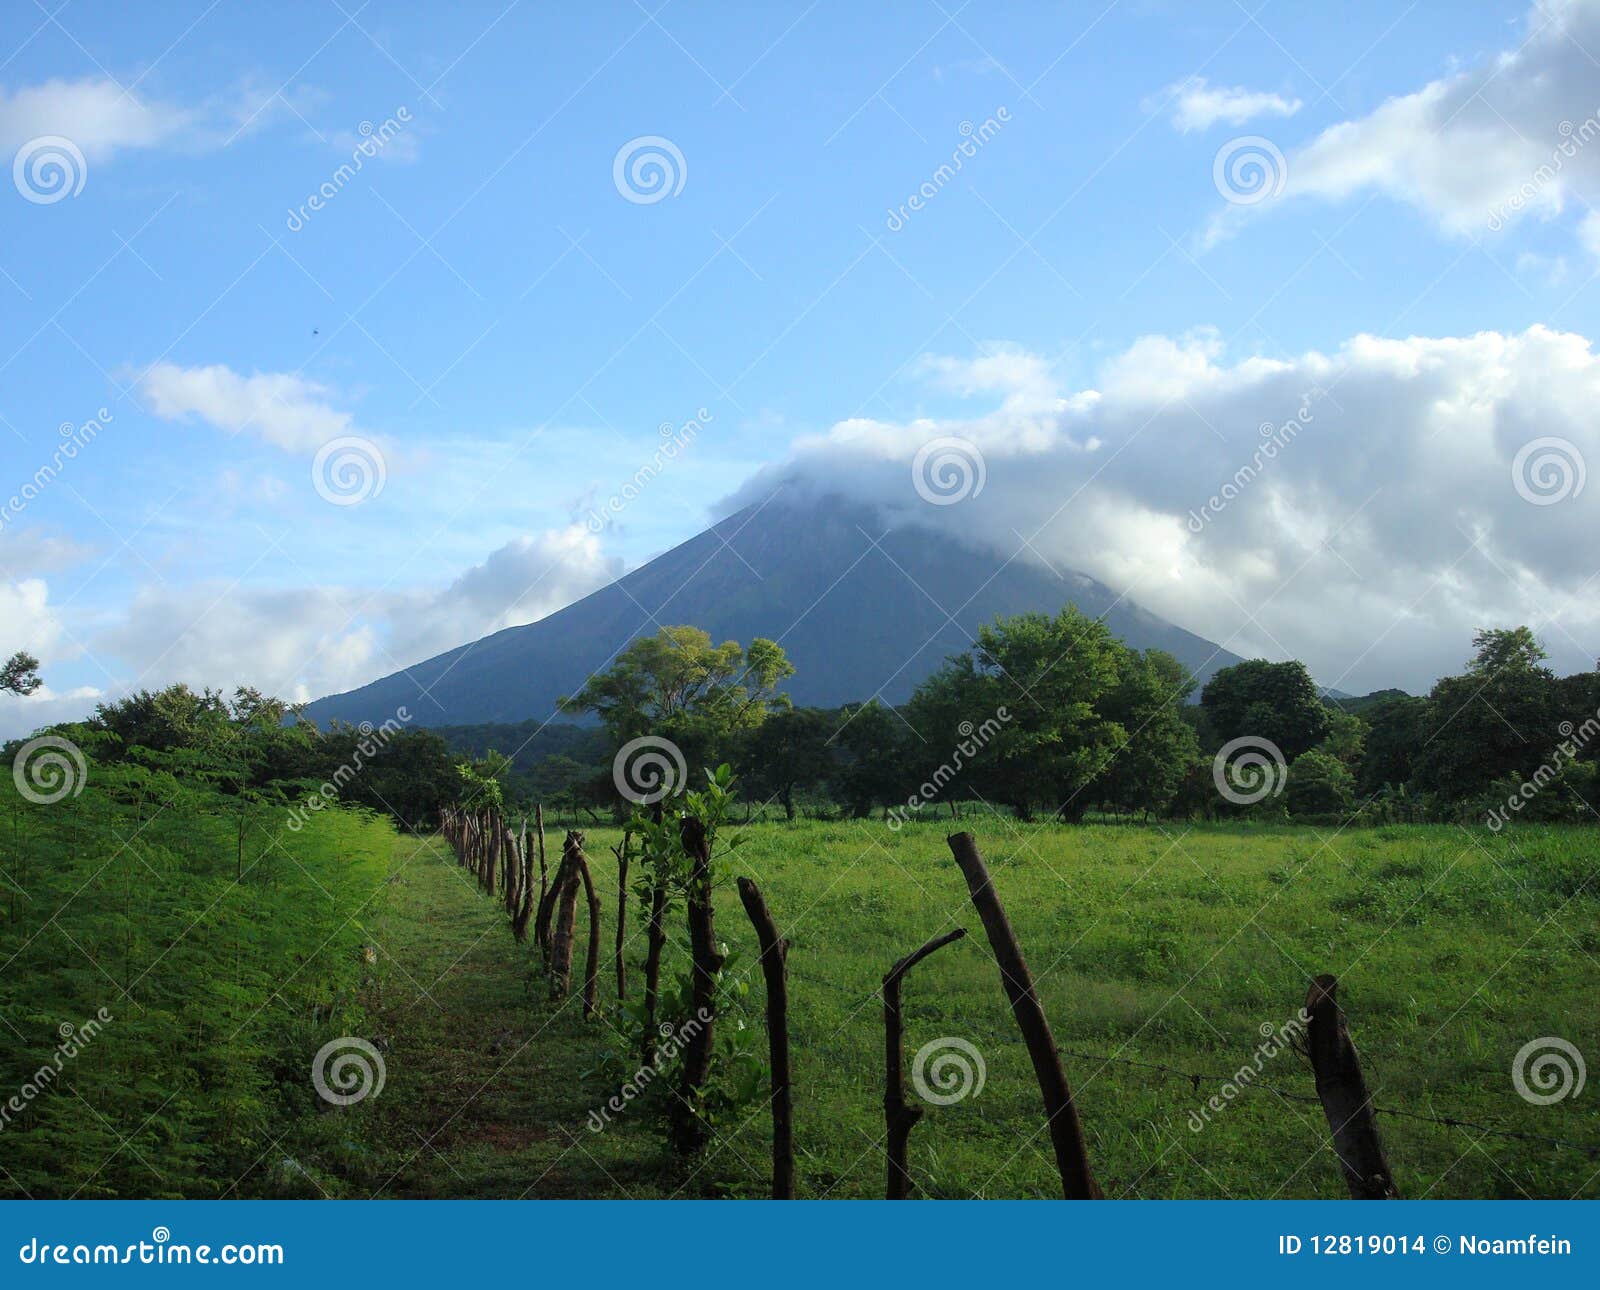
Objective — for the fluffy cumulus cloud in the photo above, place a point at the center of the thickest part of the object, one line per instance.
(1515, 137)
(285, 410)
(297, 642)
(1197, 105)
(1364, 509)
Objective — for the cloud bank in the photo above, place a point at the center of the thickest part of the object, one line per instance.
(1365, 509)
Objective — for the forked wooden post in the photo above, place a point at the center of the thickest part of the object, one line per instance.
(621, 852)
(774, 957)
(1061, 1113)
(901, 1116)
(1345, 1100)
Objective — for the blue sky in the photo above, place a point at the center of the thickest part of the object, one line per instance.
(482, 302)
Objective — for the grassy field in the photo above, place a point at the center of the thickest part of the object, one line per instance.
(1173, 946)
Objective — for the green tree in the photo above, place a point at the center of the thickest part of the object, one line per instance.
(1276, 701)
(1319, 784)
(19, 674)
(788, 753)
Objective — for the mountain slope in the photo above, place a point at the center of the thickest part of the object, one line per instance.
(860, 612)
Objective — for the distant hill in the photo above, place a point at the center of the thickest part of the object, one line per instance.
(862, 614)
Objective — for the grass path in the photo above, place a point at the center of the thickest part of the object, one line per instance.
(485, 1095)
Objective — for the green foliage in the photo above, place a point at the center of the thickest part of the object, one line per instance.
(1320, 784)
(1262, 700)
(212, 947)
(19, 674)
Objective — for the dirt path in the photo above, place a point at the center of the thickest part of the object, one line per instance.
(486, 1095)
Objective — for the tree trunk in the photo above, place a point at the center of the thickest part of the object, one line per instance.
(591, 968)
(900, 1115)
(1061, 1113)
(774, 956)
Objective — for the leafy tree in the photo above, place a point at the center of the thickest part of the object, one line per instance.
(1275, 701)
(678, 685)
(1158, 744)
(1397, 730)
(19, 674)
(1497, 721)
(1319, 784)
(787, 753)
(874, 742)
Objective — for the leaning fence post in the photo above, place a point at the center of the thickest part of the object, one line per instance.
(901, 1116)
(774, 955)
(1061, 1113)
(1345, 1100)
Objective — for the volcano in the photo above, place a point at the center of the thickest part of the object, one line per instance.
(861, 612)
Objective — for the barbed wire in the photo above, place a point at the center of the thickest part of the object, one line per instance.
(1197, 1078)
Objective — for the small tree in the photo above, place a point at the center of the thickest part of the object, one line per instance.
(19, 674)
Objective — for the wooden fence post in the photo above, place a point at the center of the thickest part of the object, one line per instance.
(591, 969)
(564, 903)
(621, 852)
(1061, 1113)
(689, 1129)
(774, 956)
(900, 1115)
(1345, 1100)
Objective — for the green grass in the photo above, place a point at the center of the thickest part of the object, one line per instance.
(1167, 945)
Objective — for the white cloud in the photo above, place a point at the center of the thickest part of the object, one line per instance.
(297, 642)
(285, 410)
(103, 118)
(1384, 530)
(1197, 105)
(1480, 149)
